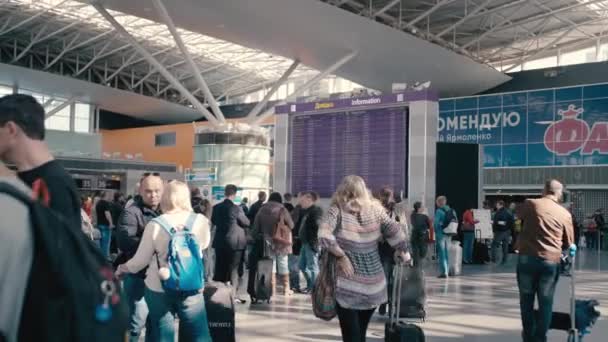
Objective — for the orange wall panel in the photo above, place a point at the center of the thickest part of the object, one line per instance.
(141, 140)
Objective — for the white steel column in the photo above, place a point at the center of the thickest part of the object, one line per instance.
(308, 84)
(56, 110)
(161, 69)
(162, 11)
(260, 105)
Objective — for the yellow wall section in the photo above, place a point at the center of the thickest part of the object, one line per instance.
(141, 140)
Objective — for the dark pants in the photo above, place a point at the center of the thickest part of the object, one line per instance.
(536, 278)
(420, 247)
(501, 239)
(592, 240)
(353, 323)
(227, 263)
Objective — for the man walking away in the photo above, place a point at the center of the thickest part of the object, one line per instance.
(22, 144)
(105, 224)
(547, 230)
(502, 227)
(255, 207)
(443, 216)
(129, 231)
(309, 253)
(230, 240)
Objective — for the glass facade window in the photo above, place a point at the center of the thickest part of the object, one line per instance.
(554, 127)
(165, 139)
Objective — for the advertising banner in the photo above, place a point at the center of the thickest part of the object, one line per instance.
(566, 126)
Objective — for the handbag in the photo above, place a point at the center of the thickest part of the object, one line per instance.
(281, 235)
(324, 291)
(452, 227)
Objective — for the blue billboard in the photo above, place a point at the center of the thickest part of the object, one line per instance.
(554, 127)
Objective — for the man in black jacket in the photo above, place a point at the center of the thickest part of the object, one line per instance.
(129, 230)
(502, 227)
(255, 207)
(230, 239)
(308, 233)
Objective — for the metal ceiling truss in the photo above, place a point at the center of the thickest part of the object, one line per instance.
(495, 32)
(58, 37)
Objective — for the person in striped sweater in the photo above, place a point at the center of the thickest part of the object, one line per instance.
(351, 230)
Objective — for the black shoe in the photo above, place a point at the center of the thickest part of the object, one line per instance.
(382, 309)
(442, 276)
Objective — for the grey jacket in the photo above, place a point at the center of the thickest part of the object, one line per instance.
(17, 245)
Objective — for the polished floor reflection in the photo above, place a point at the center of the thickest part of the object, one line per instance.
(480, 305)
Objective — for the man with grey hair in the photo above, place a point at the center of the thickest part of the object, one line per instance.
(547, 231)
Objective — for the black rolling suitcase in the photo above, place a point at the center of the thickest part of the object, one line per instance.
(412, 292)
(259, 284)
(481, 250)
(582, 316)
(219, 304)
(396, 330)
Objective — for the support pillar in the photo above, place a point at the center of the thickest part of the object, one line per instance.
(422, 147)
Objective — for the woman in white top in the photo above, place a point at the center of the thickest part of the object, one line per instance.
(189, 307)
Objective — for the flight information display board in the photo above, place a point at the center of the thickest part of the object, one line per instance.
(368, 143)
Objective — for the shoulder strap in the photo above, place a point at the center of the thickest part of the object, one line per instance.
(190, 221)
(161, 221)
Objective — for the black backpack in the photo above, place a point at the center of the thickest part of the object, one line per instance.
(71, 292)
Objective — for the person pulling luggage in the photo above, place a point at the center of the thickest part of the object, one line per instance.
(547, 230)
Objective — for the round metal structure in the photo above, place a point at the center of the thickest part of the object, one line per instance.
(238, 155)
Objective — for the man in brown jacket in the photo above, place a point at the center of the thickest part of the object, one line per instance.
(547, 231)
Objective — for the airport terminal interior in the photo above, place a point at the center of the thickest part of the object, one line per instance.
(452, 154)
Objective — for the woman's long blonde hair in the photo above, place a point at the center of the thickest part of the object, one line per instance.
(352, 195)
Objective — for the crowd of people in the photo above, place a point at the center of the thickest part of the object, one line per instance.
(366, 234)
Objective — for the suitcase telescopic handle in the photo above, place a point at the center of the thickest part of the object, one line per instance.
(573, 329)
(396, 293)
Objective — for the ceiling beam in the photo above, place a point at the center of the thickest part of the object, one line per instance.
(386, 8)
(166, 74)
(465, 18)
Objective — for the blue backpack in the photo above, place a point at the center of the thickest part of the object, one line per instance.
(184, 259)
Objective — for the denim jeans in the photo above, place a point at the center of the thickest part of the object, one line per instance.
(294, 271)
(134, 287)
(501, 238)
(443, 241)
(469, 238)
(190, 309)
(106, 238)
(309, 264)
(280, 264)
(536, 278)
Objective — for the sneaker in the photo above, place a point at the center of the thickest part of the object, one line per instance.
(240, 301)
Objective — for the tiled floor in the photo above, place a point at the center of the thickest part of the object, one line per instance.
(480, 305)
